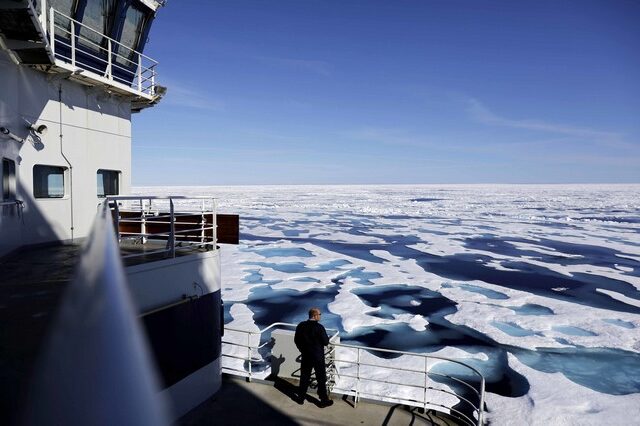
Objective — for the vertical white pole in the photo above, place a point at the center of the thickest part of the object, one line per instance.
(109, 69)
(143, 222)
(139, 72)
(52, 30)
(426, 378)
(153, 82)
(481, 408)
(355, 401)
(43, 14)
(73, 44)
(249, 353)
(214, 223)
(172, 229)
(203, 225)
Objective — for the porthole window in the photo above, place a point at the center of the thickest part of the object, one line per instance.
(48, 181)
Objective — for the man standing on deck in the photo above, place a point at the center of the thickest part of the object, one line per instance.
(311, 338)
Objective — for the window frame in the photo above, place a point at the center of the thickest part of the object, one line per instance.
(118, 174)
(9, 181)
(37, 194)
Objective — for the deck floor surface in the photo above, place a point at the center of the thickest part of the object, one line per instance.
(242, 403)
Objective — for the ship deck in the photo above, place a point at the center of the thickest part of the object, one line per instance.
(267, 403)
(32, 281)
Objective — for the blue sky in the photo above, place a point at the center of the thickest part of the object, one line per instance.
(356, 92)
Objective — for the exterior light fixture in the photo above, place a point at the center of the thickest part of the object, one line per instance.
(41, 129)
(6, 132)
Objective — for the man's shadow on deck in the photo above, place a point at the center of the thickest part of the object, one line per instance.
(286, 387)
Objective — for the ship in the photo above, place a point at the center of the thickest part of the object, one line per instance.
(110, 302)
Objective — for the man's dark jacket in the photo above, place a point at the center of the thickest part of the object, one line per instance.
(311, 338)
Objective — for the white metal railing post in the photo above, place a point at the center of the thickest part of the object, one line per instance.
(203, 223)
(356, 397)
(52, 30)
(73, 44)
(214, 222)
(426, 378)
(249, 353)
(143, 224)
(153, 81)
(481, 408)
(43, 13)
(172, 229)
(109, 60)
(139, 72)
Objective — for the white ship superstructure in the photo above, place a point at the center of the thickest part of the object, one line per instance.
(72, 72)
(65, 111)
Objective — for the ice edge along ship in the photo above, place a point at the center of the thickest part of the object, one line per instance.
(71, 74)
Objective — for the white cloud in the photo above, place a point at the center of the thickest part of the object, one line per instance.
(480, 113)
(315, 66)
(188, 97)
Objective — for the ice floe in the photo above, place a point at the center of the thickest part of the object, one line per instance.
(535, 280)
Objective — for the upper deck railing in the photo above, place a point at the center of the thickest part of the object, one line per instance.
(173, 224)
(74, 47)
(427, 381)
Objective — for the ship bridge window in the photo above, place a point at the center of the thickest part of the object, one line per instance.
(97, 16)
(8, 179)
(48, 181)
(131, 31)
(108, 182)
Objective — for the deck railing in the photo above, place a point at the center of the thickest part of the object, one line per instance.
(251, 350)
(430, 382)
(181, 223)
(108, 60)
(12, 203)
(95, 366)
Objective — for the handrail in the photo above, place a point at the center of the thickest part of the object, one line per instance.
(185, 299)
(179, 235)
(396, 352)
(139, 69)
(18, 203)
(96, 316)
(157, 197)
(476, 410)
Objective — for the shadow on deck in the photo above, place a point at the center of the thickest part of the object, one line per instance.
(242, 403)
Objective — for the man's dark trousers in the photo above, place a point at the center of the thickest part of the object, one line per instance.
(306, 364)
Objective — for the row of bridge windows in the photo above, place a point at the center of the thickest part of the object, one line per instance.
(122, 20)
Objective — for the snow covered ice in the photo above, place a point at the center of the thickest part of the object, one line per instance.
(537, 286)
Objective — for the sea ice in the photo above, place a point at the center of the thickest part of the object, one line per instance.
(405, 236)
